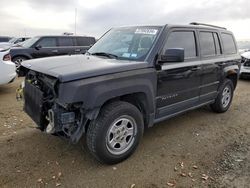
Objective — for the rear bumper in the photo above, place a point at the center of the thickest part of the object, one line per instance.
(7, 72)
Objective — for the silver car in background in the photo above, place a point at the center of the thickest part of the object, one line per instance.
(245, 68)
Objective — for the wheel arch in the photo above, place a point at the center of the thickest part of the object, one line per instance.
(23, 55)
(232, 73)
(138, 99)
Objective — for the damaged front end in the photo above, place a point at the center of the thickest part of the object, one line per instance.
(40, 103)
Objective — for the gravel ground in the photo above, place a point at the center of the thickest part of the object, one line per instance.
(197, 149)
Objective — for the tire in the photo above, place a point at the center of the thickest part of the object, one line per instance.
(18, 60)
(224, 98)
(116, 132)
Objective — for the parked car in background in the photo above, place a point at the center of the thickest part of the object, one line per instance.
(243, 46)
(245, 67)
(131, 79)
(7, 68)
(46, 46)
(4, 39)
(18, 40)
(13, 42)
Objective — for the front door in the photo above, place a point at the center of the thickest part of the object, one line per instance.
(178, 87)
(45, 47)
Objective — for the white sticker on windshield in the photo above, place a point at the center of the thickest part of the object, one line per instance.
(146, 31)
(126, 55)
(133, 55)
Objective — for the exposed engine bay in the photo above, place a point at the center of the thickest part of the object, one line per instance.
(40, 97)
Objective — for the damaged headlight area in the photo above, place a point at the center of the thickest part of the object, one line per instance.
(40, 103)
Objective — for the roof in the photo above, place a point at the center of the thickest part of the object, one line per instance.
(195, 25)
(192, 25)
(63, 36)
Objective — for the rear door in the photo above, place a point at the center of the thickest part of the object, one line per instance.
(83, 44)
(178, 86)
(212, 59)
(66, 45)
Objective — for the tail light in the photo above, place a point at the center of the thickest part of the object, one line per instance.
(7, 57)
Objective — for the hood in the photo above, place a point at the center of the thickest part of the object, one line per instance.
(68, 68)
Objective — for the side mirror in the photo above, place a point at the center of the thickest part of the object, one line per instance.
(173, 55)
(38, 47)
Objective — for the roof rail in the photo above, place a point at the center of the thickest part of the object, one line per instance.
(196, 23)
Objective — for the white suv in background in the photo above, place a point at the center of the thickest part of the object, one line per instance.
(245, 68)
(7, 68)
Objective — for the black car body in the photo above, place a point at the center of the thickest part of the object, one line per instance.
(157, 72)
(46, 46)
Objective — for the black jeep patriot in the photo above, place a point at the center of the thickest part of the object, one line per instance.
(132, 78)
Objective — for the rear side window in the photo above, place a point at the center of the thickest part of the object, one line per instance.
(85, 41)
(183, 39)
(207, 44)
(65, 41)
(217, 44)
(47, 42)
(228, 43)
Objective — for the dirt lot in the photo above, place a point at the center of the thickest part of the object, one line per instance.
(197, 149)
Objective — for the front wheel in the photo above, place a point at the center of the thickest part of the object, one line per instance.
(116, 133)
(224, 98)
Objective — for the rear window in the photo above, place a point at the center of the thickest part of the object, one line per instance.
(85, 41)
(217, 44)
(65, 41)
(207, 44)
(229, 44)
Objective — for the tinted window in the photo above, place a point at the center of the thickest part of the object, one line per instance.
(4, 39)
(183, 39)
(65, 41)
(217, 44)
(85, 41)
(228, 42)
(207, 44)
(47, 42)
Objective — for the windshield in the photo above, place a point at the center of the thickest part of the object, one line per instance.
(130, 43)
(12, 40)
(28, 43)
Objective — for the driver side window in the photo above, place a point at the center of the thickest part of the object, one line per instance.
(47, 42)
(185, 40)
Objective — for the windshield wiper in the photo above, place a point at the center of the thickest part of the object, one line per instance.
(105, 54)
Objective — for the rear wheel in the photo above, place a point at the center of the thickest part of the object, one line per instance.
(224, 98)
(18, 60)
(116, 133)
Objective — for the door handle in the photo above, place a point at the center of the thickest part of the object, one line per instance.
(54, 51)
(222, 64)
(77, 50)
(195, 68)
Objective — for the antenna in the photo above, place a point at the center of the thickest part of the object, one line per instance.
(75, 19)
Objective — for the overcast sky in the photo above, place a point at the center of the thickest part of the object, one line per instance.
(94, 17)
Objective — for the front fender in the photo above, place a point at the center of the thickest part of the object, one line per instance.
(94, 92)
